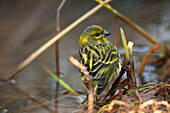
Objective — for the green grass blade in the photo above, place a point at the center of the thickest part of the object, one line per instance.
(64, 84)
(124, 43)
(148, 87)
(103, 108)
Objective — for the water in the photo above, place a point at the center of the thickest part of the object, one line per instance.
(26, 25)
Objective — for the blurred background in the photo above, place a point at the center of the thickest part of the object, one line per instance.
(25, 25)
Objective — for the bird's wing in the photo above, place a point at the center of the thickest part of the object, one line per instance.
(102, 61)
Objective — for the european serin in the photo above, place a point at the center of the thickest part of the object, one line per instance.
(100, 57)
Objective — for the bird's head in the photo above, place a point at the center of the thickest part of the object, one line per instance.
(94, 34)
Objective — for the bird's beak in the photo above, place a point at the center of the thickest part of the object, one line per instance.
(106, 33)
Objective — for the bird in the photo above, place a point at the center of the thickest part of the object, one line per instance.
(100, 57)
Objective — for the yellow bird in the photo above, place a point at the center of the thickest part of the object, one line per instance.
(100, 57)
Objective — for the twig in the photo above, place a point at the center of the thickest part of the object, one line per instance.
(90, 83)
(57, 48)
(110, 108)
(147, 57)
(81, 67)
(129, 22)
(58, 16)
(44, 47)
(57, 42)
(138, 96)
(117, 95)
(131, 74)
(129, 58)
(115, 33)
(166, 64)
(155, 103)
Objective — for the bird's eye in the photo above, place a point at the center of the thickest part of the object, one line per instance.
(97, 34)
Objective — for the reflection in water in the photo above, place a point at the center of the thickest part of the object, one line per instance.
(62, 75)
(75, 55)
(3, 110)
(26, 25)
(15, 81)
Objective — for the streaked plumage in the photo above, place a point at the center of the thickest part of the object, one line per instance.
(99, 56)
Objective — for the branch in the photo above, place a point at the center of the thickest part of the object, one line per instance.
(129, 22)
(90, 83)
(44, 47)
